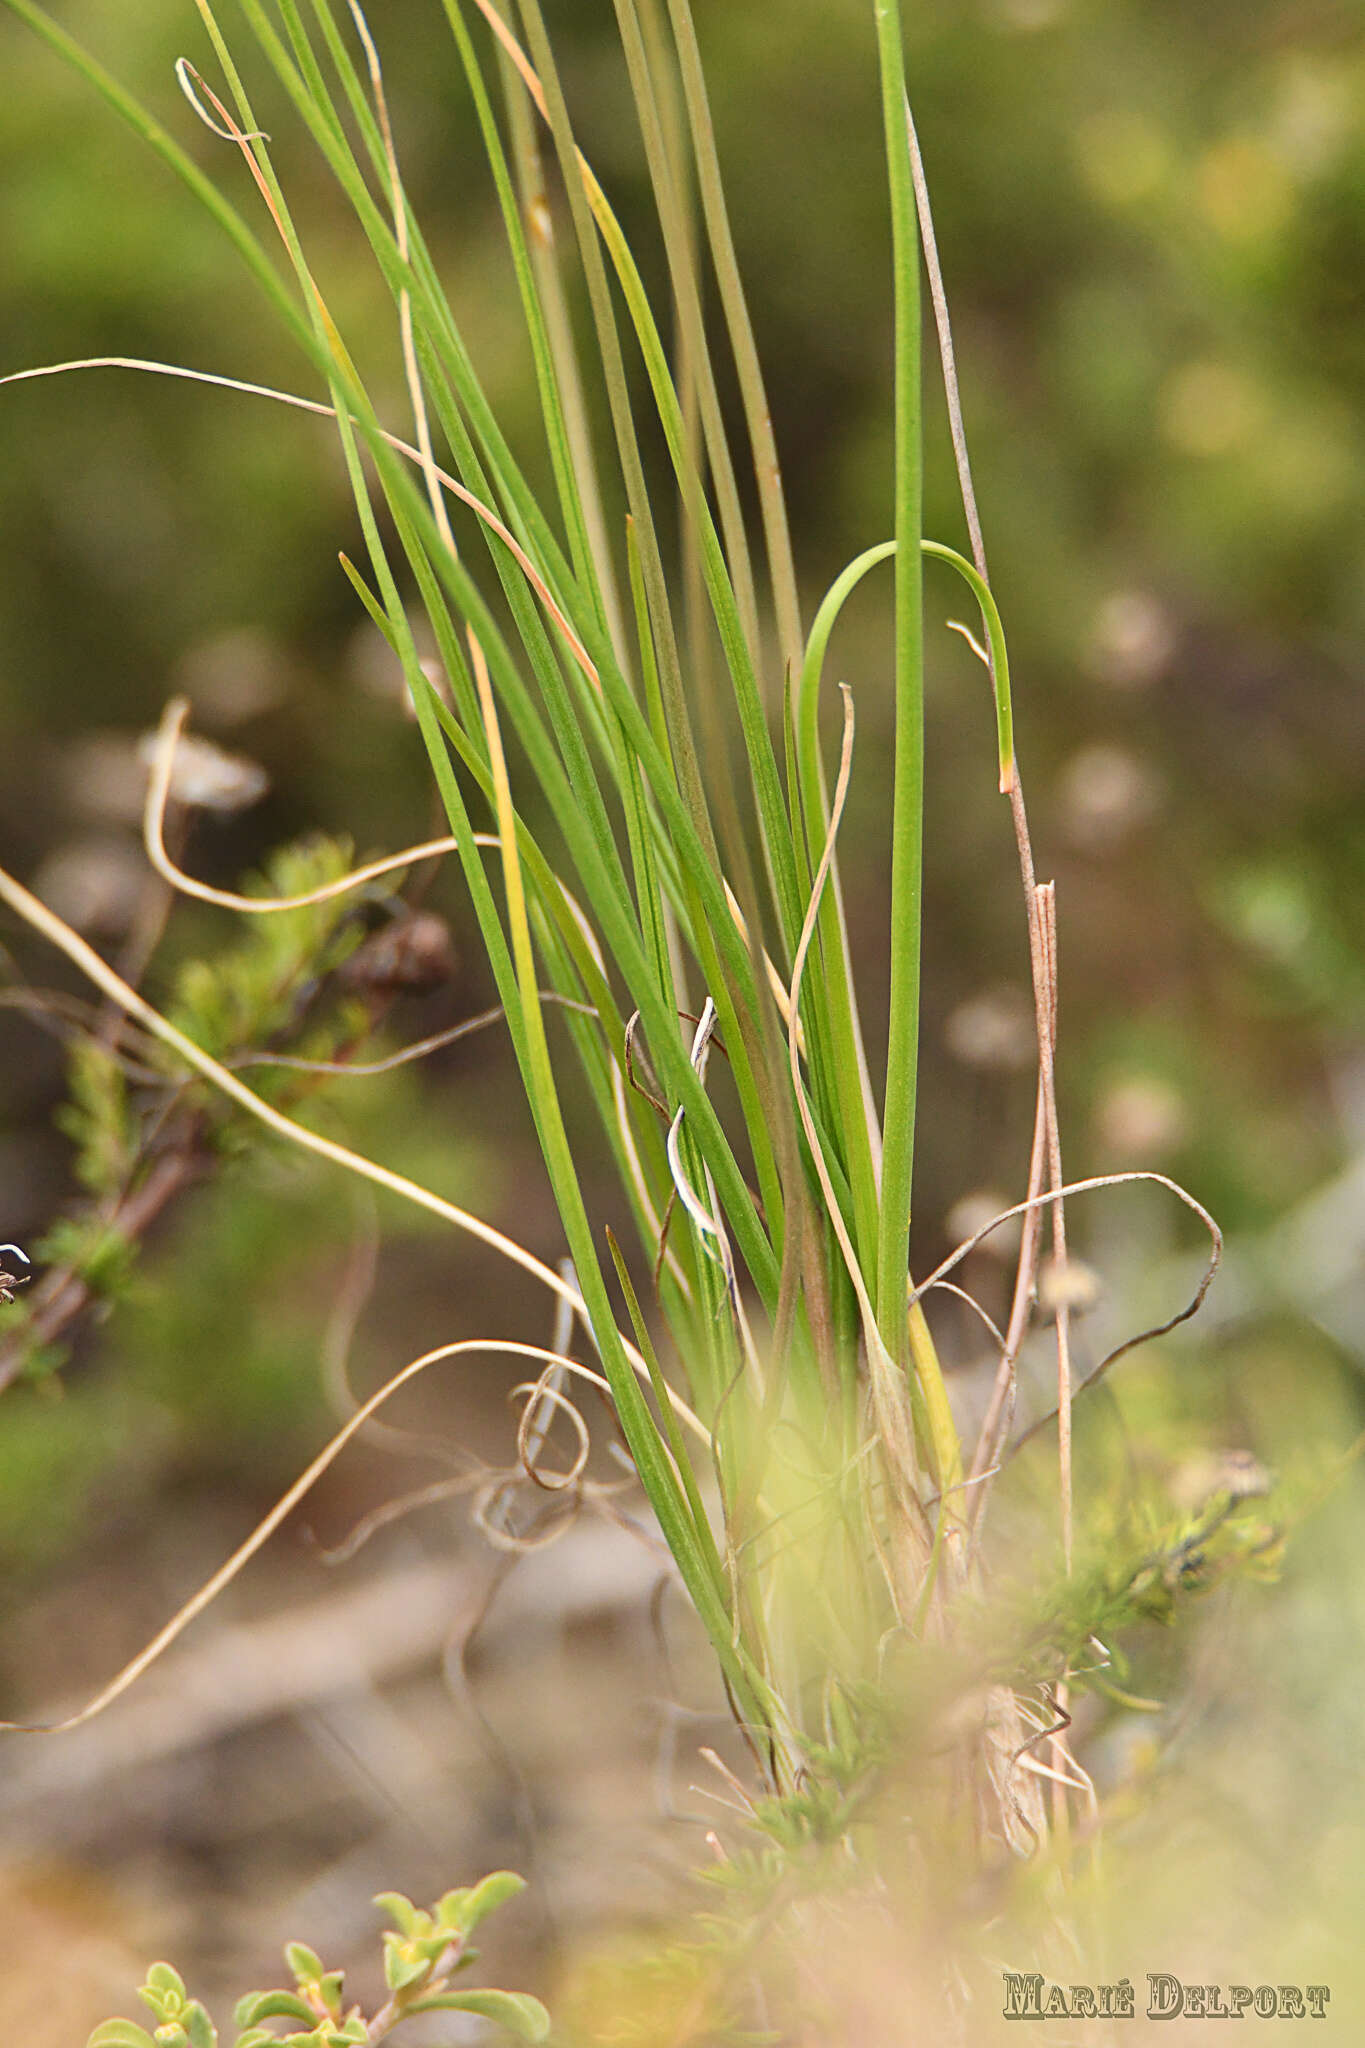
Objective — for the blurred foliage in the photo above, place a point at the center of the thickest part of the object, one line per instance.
(215, 1372)
(245, 1000)
(422, 1952)
(1152, 224)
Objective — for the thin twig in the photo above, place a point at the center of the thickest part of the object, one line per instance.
(1046, 1153)
(418, 1050)
(1085, 1187)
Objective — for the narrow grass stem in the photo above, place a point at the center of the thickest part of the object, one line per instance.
(758, 416)
(907, 854)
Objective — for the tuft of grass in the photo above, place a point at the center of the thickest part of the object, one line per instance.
(632, 765)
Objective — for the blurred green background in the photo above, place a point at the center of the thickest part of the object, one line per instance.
(1152, 226)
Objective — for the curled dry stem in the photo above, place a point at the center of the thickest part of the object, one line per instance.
(389, 1511)
(708, 1220)
(1051, 1197)
(535, 1394)
(268, 1524)
(154, 839)
(417, 1050)
(482, 511)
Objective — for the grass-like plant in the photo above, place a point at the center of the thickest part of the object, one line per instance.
(644, 786)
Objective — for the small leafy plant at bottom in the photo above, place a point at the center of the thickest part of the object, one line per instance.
(423, 1951)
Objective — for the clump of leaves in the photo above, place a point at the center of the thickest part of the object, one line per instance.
(423, 1952)
(1147, 1570)
(273, 990)
(262, 990)
(96, 1116)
